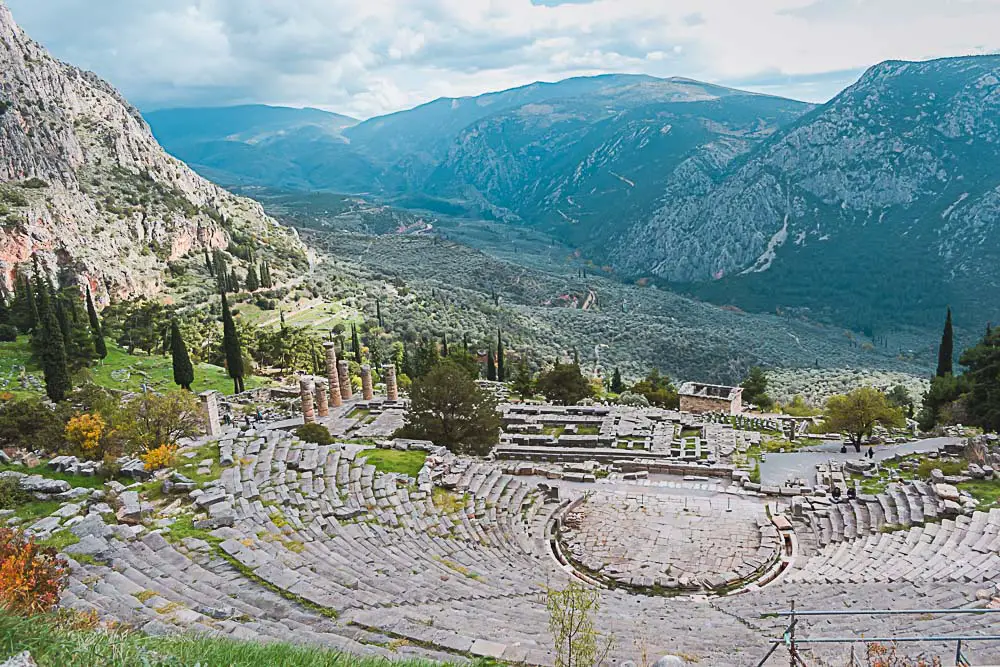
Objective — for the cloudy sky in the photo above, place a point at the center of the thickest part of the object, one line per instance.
(367, 57)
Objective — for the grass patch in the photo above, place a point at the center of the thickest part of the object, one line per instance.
(359, 414)
(554, 430)
(91, 482)
(690, 433)
(36, 509)
(588, 429)
(986, 491)
(190, 466)
(60, 540)
(446, 501)
(119, 370)
(408, 462)
(55, 644)
(183, 528)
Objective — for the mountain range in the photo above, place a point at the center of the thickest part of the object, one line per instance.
(875, 210)
(87, 192)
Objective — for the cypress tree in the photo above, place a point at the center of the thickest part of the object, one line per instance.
(465, 342)
(221, 272)
(356, 343)
(51, 347)
(183, 369)
(491, 367)
(208, 263)
(265, 275)
(253, 282)
(946, 353)
(617, 386)
(231, 346)
(4, 309)
(576, 358)
(34, 318)
(501, 374)
(444, 345)
(234, 281)
(95, 327)
(315, 360)
(378, 313)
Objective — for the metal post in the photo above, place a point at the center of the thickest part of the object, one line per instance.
(791, 639)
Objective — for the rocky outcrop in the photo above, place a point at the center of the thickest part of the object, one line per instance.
(887, 184)
(86, 188)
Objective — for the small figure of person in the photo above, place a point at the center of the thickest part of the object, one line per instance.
(871, 452)
(260, 415)
(247, 418)
(227, 420)
(851, 493)
(843, 449)
(836, 493)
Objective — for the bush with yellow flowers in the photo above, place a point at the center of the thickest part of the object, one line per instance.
(159, 457)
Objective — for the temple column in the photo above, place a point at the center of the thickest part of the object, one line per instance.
(306, 390)
(389, 375)
(366, 383)
(344, 371)
(322, 405)
(332, 376)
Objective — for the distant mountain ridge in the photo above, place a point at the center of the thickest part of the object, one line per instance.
(886, 200)
(874, 210)
(566, 154)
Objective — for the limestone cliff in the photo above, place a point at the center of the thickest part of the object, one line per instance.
(85, 187)
(886, 199)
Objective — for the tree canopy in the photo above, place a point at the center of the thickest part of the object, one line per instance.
(448, 408)
(565, 384)
(755, 388)
(658, 390)
(859, 412)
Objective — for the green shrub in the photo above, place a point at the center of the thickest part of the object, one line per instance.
(8, 333)
(11, 495)
(316, 433)
(34, 183)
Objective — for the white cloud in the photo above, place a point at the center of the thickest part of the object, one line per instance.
(365, 57)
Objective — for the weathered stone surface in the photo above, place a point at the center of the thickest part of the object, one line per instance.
(22, 659)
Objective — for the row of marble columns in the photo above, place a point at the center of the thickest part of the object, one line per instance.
(317, 400)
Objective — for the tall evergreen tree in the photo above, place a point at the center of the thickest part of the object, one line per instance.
(48, 341)
(183, 368)
(231, 347)
(95, 327)
(32, 297)
(378, 313)
(576, 358)
(491, 366)
(5, 317)
(465, 342)
(501, 373)
(208, 263)
(444, 345)
(253, 282)
(946, 353)
(221, 271)
(356, 343)
(23, 312)
(234, 281)
(315, 360)
(617, 386)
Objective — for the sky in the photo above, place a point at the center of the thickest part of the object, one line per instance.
(369, 57)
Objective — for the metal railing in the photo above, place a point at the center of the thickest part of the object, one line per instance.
(792, 642)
